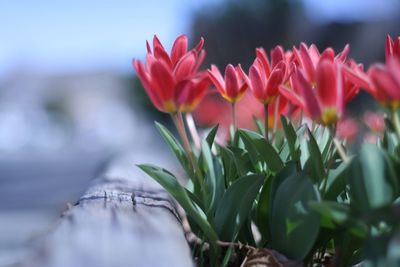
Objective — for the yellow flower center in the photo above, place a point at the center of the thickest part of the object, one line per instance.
(329, 116)
(169, 106)
(393, 105)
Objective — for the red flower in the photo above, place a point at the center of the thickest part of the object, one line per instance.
(354, 78)
(386, 83)
(374, 121)
(264, 77)
(173, 82)
(323, 83)
(323, 102)
(392, 48)
(232, 87)
(307, 59)
(347, 129)
(215, 110)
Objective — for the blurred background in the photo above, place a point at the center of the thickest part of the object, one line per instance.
(70, 101)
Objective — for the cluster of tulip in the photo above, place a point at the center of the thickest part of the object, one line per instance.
(319, 84)
(300, 186)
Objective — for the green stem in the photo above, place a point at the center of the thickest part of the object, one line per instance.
(266, 121)
(193, 130)
(180, 126)
(276, 109)
(396, 123)
(340, 150)
(301, 118)
(337, 144)
(234, 119)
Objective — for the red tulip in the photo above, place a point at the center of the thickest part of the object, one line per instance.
(173, 81)
(386, 83)
(392, 48)
(375, 121)
(232, 87)
(347, 129)
(307, 59)
(354, 79)
(323, 102)
(264, 77)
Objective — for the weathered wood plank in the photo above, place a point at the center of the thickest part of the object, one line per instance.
(124, 219)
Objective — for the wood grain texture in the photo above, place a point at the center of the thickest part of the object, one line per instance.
(124, 219)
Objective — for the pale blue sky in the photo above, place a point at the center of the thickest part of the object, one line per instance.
(62, 35)
(48, 35)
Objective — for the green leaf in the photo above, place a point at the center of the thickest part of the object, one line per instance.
(262, 149)
(336, 181)
(242, 161)
(179, 193)
(316, 157)
(228, 160)
(211, 136)
(252, 152)
(294, 225)
(371, 182)
(315, 164)
(175, 147)
(263, 210)
(215, 184)
(260, 125)
(288, 171)
(332, 213)
(236, 205)
(291, 138)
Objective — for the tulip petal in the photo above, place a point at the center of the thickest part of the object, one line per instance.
(343, 55)
(355, 74)
(257, 84)
(328, 54)
(163, 80)
(273, 83)
(231, 82)
(326, 83)
(388, 47)
(157, 43)
(384, 81)
(148, 47)
(277, 55)
(243, 75)
(161, 54)
(394, 69)
(184, 67)
(179, 48)
(152, 92)
(200, 59)
(314, 53)
(200, 45)
(291, 95)
(215, 76)
(339, 90)
(396, 48)
(182, 92)
(310, 101)
(262, 56)
(306, 63)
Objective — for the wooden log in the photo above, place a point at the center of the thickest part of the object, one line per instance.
(124, 219)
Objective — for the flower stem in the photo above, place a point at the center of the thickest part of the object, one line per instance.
(337, 144)
(396, 123)
(234, 119)
(276, 109)
(180, 126)
(340, 150)
(193, 130)
(266, 121)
